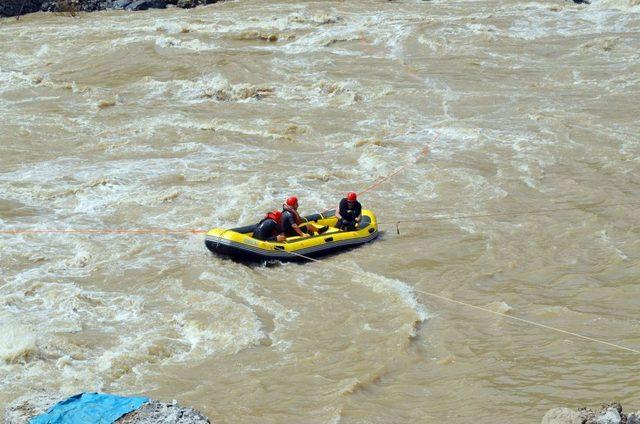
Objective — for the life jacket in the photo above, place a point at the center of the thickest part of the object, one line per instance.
(296, 216)
(275, 215)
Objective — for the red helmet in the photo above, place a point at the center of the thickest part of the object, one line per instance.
(352, 196)
(292, 201)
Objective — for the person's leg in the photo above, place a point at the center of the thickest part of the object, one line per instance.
(316, 229)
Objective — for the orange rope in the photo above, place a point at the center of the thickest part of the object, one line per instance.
(412, 161)
(158, 231)
(164, 231)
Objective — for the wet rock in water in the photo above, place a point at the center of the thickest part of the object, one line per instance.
(19, 7)
(48, 6)
(562, 416)
(146, 4)
(609, 416)
(188, 4)
(158, 412)
(21, 410)
(634, 418)
(119, 4)
(610, 413)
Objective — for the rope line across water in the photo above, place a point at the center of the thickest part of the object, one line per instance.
(480, 308)
(166, 231)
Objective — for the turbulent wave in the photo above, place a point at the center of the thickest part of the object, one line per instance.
(193, 119)
(399, 293)
(17, 342)
(250, 35)
(209, 87)
(191, 44)
(136, 343)
(629, 5)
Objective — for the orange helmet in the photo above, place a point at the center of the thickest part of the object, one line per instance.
(292, 201)
(352, 196)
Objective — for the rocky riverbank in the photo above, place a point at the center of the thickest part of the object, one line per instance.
(609, 413)
(22, 7)
(26, 407)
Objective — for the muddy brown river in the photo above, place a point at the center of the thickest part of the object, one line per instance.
(209, 117)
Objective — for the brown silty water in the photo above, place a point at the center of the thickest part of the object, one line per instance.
(209, 117)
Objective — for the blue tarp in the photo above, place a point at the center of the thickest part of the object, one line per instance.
(85, 408)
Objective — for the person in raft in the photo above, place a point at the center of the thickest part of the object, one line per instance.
(291, 221)
(270, 228)
(349, 212)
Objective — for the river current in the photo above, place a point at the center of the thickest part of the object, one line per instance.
(209, 117)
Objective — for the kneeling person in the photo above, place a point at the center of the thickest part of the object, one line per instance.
(349, 212)
(270, 228)
(291, 221)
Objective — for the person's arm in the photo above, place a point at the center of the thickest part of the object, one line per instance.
(299, 231)
(338, 212)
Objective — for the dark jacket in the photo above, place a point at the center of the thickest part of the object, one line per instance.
(267, 230)
(348, 212)
(289, 217)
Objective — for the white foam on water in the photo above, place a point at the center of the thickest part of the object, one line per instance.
(499, 307)
(17, 341)
(56, 309)
(75, 193)
(348, 29)
(192, 44)
(171, 26)
(211, 87)
(601, 17)
(123, 182)
(241, 285)
(215, 323)
(306, 19)
(396, 290)
(625, 5)
(11, 80)
(319, 91)
(239, 128)
(604, 237)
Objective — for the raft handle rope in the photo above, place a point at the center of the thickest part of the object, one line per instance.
(480, 308)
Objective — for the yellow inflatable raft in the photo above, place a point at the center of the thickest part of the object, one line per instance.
(238, 243)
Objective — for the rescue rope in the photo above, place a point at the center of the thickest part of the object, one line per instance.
(412, 161)
(497, 214)
(157, 231)
(166, 231)
(21, 9)
(483, 309)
